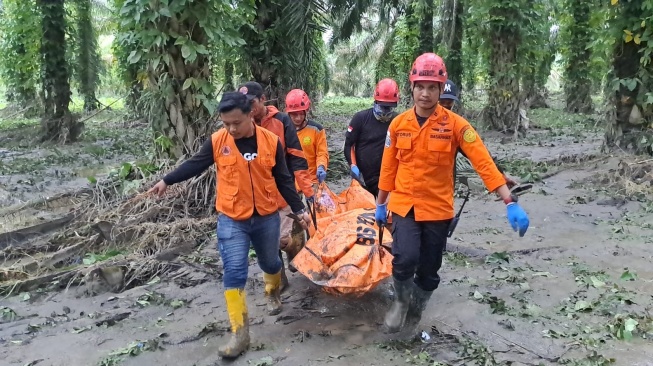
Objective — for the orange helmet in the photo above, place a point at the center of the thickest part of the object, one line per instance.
(386, 92)
(297, 101)
(428, 67)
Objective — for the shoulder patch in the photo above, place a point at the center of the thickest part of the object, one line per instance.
(306, 141)
(388, 140)
(469, 135)
(349, 129)
(315, 125)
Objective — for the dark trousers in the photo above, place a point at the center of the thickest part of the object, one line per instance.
(373, 188)
(417, 249)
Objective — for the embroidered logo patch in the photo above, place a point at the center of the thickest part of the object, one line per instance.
(226, 150)
(469, 136)
(306, 141)
(349, 129)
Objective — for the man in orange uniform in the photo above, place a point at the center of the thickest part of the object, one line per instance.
(251, 171)
(281, 125)
(417, 167)
(314, 144)
(311, 134)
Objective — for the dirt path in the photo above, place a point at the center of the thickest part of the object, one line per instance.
(568, 292)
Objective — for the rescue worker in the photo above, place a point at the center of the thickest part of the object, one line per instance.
(311, 134)
(281, 125)
(418, 159)
(312, 137)
(449, 99)
(366, 132)
(251, 168)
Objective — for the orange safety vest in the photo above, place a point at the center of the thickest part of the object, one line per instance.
(242, 185)
(418, 163)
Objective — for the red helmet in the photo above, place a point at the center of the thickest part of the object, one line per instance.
(428, 67)
(297, 101)
(386, 91)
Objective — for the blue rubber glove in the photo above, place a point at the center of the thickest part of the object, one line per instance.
(381, 214)
(517, 218)
(355, 172)
(321, 174)
(310, 199)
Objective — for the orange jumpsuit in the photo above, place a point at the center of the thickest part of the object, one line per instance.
(417, 168)
(312, 137)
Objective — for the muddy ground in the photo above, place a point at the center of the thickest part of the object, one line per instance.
(575, 290)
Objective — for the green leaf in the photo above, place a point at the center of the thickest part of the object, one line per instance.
(582, 305)
(91, 179)
(125, 169)
(201, 50)
(186, 51)
(176, 304)
(187, 84)
(628, 275)
(596, 282)
(165, 12)
(630, 325)
(134, 57)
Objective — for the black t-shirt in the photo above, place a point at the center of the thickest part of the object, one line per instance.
(367, 135)
(248, 148)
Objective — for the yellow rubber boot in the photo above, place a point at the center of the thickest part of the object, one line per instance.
(237, 309)
(273, 292)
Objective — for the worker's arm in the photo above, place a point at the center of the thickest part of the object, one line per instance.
(285, 182)
(194, 166)
(482, 162)
(351, 138)
(473, 148)
(389, 162)
(389, 165)
(295, 157)
(322, 150)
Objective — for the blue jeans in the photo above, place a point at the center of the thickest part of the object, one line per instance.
(234, 238)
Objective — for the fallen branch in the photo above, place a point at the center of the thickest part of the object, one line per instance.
(101, 110)
(571, 166)
(43, 201)
(641, 162)
(19, 112)
(19, 236)
(33, 283)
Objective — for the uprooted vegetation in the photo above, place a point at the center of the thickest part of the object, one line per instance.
(145, 234)
(631, 179)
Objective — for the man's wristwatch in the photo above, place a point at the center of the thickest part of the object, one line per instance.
(513, 198)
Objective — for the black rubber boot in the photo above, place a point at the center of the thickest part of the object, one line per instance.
(417, 306)
(396, 316)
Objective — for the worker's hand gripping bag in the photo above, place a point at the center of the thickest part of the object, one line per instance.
(356, 197)
(344, 256)
(326, 202)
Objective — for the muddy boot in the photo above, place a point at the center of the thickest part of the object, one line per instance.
(417, 305)
(396, 316)
(284, 278)
(273, 292)
(237, 310)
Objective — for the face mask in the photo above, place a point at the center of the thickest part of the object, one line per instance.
(382, 113)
